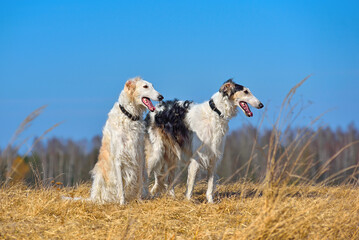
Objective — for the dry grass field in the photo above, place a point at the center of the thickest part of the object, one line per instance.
(241, 211)
(293, 200)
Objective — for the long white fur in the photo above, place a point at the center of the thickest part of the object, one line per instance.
(208, 139)
(119, 174)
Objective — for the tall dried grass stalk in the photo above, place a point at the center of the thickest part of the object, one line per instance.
(11, 168)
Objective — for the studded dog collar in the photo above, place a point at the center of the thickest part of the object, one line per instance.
(214, 108)
(129, 115)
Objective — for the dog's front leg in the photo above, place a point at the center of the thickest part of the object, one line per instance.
(211, 185)
(118, 171)
(120, 189)
(155, 161)
(192, 172)
(116, 155)
(144, 180)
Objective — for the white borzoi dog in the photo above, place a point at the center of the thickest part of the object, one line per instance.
(119, 174)
(180, 128)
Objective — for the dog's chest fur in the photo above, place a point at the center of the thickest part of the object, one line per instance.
(125, 148)
(127, 135)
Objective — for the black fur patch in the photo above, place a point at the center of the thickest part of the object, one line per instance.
(238, 88)
(147, 120)
(171, 119)
(231, 91)
(229, 81)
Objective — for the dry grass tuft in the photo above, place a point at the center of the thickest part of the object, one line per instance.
(310, 212)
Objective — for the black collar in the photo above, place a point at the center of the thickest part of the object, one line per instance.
(129, 115)
(214, 108)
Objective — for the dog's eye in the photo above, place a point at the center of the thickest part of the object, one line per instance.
(246, 91)
(145, 86)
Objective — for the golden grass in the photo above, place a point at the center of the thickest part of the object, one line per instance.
(241, 212)
(285, 205)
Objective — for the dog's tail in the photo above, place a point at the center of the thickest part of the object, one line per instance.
(76, 199)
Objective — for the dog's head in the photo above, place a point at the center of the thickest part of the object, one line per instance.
(142, 92)
(240, 96)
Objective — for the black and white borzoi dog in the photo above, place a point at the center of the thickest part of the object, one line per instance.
(182, 129)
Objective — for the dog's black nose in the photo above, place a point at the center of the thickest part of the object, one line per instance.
(160, 97)
(260, 105)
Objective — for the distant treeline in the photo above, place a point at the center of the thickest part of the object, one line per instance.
(245, 156)
(325, 144)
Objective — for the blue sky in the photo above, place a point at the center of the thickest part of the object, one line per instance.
(75, 56)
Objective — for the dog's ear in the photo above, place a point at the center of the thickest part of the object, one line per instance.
(130, 87)
(227, 89)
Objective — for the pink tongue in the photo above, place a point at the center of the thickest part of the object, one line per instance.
(148, 103)
(246, 108)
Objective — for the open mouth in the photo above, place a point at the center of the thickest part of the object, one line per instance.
(148, 104)
(246, 109)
